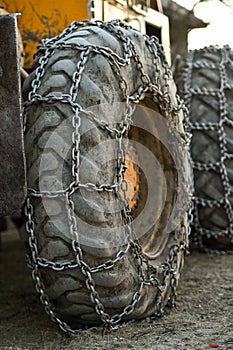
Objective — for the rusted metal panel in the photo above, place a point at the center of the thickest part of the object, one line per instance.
(12, 161)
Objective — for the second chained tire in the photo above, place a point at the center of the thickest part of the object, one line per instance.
(79, 281)
(205, 81)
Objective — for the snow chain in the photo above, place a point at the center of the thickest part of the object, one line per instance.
(167, 270)
(188, 92)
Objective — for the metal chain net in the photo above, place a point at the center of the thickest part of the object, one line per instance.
(167, 270)
(214, 91)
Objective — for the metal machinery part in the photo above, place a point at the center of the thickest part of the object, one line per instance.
(21, 53)
(94, 63)
(12, 160)
(205, 81)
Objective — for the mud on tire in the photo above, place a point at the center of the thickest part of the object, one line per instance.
(77, 177)
(205, 81)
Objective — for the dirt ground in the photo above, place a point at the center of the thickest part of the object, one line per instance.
(202, 319)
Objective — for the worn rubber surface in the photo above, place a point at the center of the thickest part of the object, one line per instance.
(47, 143)
(205, 81)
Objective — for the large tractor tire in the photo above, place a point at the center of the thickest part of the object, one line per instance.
(95, 258)
(205, 81)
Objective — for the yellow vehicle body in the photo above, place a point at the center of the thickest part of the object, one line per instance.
(47, 18)
(42, 19)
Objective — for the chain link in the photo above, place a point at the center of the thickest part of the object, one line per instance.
(160, 277)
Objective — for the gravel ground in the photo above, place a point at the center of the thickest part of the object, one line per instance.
(202, 319)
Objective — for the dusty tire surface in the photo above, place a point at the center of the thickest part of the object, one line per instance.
(83, 268)
(205, 81)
